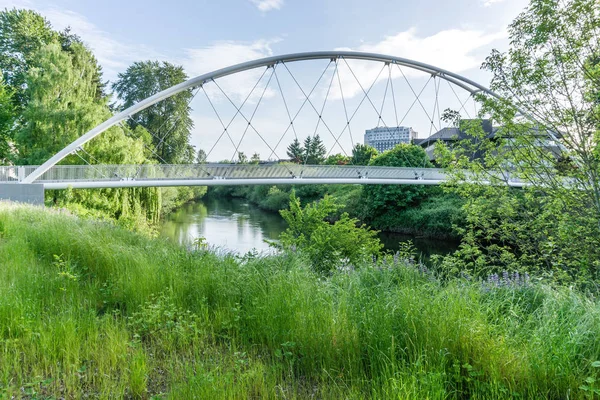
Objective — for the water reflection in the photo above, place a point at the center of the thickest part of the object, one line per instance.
(226, 223)
(236, 225)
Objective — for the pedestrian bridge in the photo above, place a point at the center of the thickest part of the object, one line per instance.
(353, 92)
(161, 175)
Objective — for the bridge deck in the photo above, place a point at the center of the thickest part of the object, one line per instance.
(98, 176)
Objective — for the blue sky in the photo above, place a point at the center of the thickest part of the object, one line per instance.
(204, 35)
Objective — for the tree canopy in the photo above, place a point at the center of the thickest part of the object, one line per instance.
(168, 121)
(61, 103)
(362, 154)
(549, 137)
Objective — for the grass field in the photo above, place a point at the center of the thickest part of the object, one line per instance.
(89, 310)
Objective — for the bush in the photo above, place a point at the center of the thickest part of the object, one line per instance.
(327, 245)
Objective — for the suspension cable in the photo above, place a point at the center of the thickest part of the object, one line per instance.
(303, 103)
(418, 97)
(250, 123)
(321, 114)
(176, 121)
(345, 109)
(462, 103)
(363, 89)
(76, 152)
(415, 100)
(393, 94)
(226, 128)
(360, 103)
(315, 109)
(387, 85)
(253, 114)
(287, 109)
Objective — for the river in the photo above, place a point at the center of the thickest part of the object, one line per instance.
(239, 226)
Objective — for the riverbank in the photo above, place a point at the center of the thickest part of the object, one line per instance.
(434, 217)
(88, 309)
(123, 207)
(238, 225)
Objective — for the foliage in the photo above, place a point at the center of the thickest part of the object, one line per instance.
(255, 159)
(147, 318)
(23, 33)
(242, 158)
(327, 245)
(295, 151)
(7, 120)
(201, 157)
(550, 73)
(382, 200)
(311, 152)
(53, 92)
(337, 159)
(362, 154)
(439, 215)
(314, 150)
(169, 121)
(435, 216)
(62, 102)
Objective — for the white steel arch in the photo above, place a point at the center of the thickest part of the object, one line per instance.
(461, 81)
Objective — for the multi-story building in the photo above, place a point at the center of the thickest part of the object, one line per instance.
(385, 138)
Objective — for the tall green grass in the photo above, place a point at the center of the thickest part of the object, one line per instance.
(91, 310)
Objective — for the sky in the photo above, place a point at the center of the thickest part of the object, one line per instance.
(204, 35)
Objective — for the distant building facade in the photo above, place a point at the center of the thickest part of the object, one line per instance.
(385, 138)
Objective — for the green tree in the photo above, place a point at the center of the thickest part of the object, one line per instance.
(255, 159)
(55, 84)
(22, 34)
(362, 154)
(7, 119)
(550, 73)
(62, 102)
(314, 150)
(295, 152)
(381, 200)
(168, 121)
(71, 43)
(201, 157)
(242, 158)
(327, 245)
(337, 159)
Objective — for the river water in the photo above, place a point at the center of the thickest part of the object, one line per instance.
(239, 226)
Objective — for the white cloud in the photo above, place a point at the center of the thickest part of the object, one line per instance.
(267, 5)
(487, 3)
(113, 55)
(450, 49)
(223, 54)
(199, 61)
(10, 4)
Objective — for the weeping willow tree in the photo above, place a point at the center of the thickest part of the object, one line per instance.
(60, 98)
(548, 132)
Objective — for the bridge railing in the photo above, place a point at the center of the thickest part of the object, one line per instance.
(61, 176)
(74, 173)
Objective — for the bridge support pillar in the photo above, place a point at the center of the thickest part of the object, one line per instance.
(30, 193)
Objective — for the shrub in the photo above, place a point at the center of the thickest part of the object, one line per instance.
(327, 245)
